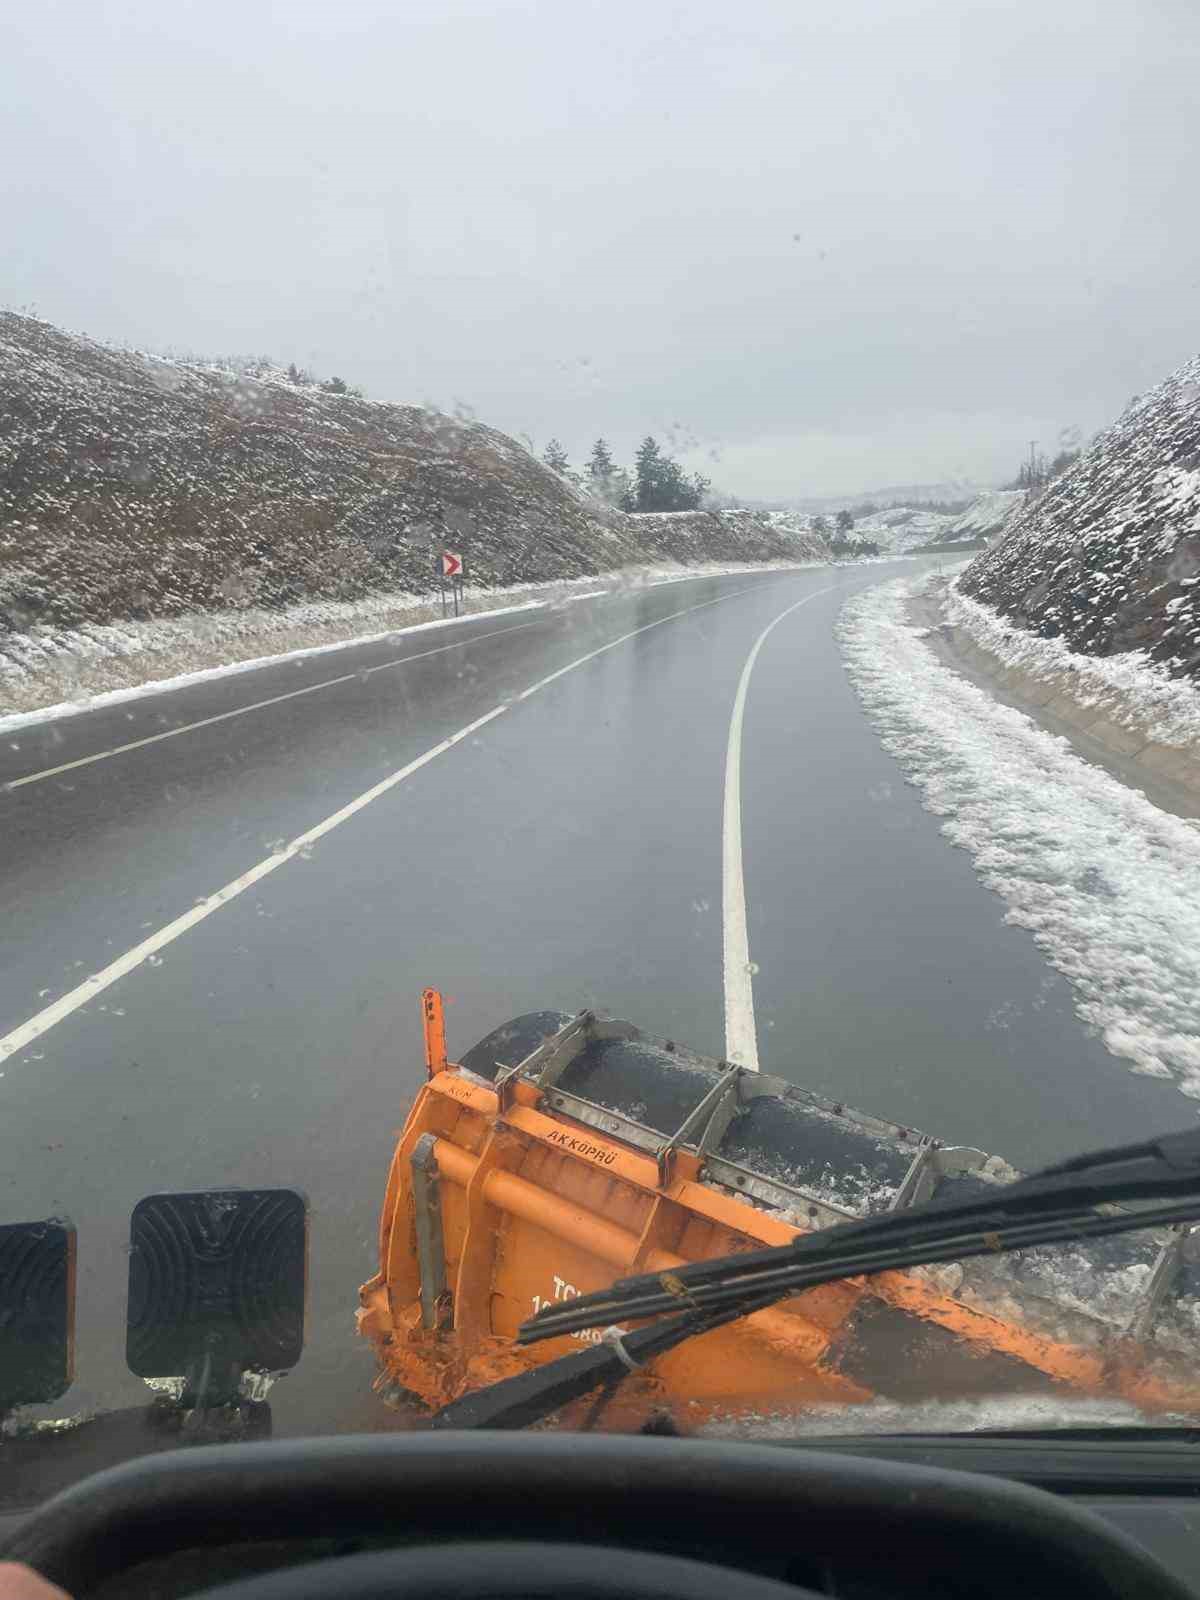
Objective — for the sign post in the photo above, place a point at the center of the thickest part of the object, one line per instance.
(451, 566)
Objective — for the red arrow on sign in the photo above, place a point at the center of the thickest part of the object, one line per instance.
(452, 564)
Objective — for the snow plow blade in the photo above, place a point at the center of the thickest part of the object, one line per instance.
(565, 1152)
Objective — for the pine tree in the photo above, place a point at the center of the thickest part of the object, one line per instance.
(845, 521)
(662, 484)
(601, 465)
(618, 490)
(648, 473)
(555, 456)
(698, 487)
(820, 526)
(606, 479)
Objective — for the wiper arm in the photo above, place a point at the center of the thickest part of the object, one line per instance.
(1049, 1207)
(530, 1396)
(1055, 1205)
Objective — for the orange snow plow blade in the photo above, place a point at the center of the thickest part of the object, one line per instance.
(564, 1153)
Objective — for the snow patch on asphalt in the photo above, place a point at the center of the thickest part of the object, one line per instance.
(1108, 884)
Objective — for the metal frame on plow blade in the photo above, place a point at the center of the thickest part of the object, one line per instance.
(701, 1132)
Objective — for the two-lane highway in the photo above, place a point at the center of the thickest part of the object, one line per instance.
(221, 904)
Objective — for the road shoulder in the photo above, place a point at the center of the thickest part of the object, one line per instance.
(1117, 737)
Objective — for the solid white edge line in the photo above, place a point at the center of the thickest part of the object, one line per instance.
(741, 1032)
(19, 1038)
(258, 705)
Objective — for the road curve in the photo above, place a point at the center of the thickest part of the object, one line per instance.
(566, 850)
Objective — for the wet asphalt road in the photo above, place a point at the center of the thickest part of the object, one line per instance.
(567, 853)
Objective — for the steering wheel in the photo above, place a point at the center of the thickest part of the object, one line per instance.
(502, 1570)
(601, 1503)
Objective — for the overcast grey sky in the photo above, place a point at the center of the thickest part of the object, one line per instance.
(824, 244)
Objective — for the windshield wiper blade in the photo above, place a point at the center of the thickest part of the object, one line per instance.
(1050, 1207)
(529, 1396)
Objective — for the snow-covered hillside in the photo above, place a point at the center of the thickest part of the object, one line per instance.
(911, 527)
(134, 487)
(901, 528)
(896, 530)
(986, 518)
(1108, 557)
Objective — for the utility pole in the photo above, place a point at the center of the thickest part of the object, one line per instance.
(1032, 463)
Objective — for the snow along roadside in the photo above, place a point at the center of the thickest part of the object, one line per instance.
(50, 673)
(1129, 689)
(1107, 883)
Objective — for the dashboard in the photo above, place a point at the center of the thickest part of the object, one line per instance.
(865, 1518)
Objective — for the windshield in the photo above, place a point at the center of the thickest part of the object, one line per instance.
(685, 516)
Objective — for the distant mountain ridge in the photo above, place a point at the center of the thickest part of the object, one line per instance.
(959, 490)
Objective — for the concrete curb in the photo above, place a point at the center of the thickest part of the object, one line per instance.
(1056, 695)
